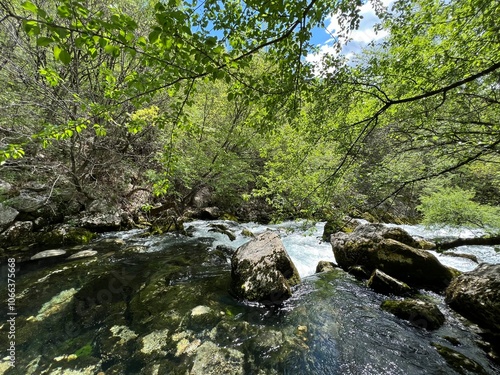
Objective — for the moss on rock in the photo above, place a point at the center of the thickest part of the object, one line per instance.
(419, 313)
(458, 361)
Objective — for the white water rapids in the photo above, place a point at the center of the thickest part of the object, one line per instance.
(303, 243)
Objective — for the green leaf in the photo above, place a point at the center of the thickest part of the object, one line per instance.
(103, 42)
(154, 35)
(30, 7)
(112, 50)
(60, 32)
(43, 41)
(63, 11)
(62, 55)
(31, 27)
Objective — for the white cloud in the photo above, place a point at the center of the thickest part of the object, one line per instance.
(358, 39)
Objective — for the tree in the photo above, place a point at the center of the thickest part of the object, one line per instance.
(455, 207)
(428, 95)
(65, 92)
(422, 104)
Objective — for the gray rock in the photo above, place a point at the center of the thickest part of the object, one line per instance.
(19, 233)
(476, 295)
(101, 222)
(419, 313)
(100, 206)
(7, 216)
(383, 283)
(48, 254)
(262, 271)
(5, 187)
(202, 197)
(27, 202)
(390, 250)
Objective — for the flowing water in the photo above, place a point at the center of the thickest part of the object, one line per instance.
(160, 305)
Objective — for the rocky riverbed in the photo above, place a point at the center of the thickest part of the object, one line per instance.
(162, 304)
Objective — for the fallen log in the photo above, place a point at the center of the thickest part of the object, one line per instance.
(478, 241)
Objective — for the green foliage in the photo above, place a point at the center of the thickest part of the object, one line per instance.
(178, 96)
(455, 207)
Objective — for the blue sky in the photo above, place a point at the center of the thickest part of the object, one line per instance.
(323, 37)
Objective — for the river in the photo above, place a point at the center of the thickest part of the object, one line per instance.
(160, 305)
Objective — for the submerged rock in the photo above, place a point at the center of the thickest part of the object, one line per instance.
(56, 304)
(212, 360)
(458, 361)
(461, 255)
(262, 271)
(392, 251)
(419, 313)
(476, 296)
(155, 342)
(383, 283)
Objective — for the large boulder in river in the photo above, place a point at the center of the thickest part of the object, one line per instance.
(262, 271)
(476, 296)
(391, 250)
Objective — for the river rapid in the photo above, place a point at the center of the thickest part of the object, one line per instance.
(160, 305)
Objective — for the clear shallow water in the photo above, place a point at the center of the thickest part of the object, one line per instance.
(160, 305)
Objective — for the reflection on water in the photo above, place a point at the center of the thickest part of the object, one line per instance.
(160, 305)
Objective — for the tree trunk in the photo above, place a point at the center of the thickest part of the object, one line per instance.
(484, 241)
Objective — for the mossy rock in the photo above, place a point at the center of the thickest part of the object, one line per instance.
(169, 225)
(229, 217)
(247, 233)
(222, 229)
(385, 284)
(346, 225)
(65, 235)
(262, 271)
(325, 266)
(391, 251)
(419, 313)
(458, 361)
